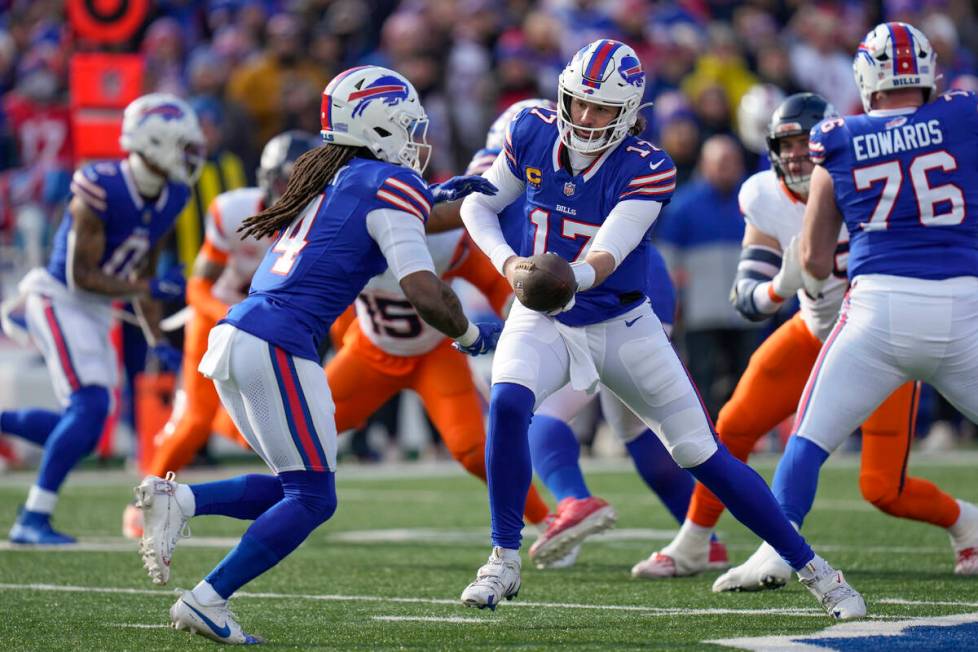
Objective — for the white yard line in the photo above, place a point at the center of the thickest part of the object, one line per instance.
(642, 610)
(926, 603)
(138, 626)
(433, 619)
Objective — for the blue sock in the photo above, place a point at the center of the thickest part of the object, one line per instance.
(75, 436)
(33, 425)
(748, 498)
(555, 452)
(670, 482)
(245, 496)
(796, 478)
(309, 500)
(508, 461)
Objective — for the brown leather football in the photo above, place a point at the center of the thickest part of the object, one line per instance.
(544, 282)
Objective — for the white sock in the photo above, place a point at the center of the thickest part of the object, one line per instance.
(41, 500)
(205, 594)
(507, 554)
(185, 499)
(965, 529)
(814, 568)
(692, 537)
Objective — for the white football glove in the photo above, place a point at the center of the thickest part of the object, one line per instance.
(789, 278)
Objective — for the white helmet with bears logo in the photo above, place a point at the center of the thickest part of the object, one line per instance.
(164, 130)
(604, 72)
(379, 109)
(894, 55)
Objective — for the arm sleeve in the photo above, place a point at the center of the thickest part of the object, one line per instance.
(624, 228)
(752, 293)
(480, 213)
(402, 241)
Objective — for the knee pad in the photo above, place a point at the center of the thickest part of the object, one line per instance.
(878, 491)
(688, 438)
(314, 490)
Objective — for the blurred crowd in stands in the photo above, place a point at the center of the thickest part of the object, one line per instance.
(253, 68)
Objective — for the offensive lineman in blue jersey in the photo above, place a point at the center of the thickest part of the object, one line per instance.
(352, 208)
(555, 451)
(593, 192)
(106, 248)
(904, 179)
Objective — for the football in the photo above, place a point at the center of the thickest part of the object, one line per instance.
(544, 282)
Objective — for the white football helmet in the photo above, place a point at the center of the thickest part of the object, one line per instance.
(894, 55)
(496, 137)
(379, 109)
(754, 113)
(164, 130)
(604, 72)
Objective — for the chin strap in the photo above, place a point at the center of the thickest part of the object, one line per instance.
(148, 182)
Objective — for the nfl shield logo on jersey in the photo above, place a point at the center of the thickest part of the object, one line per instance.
(569, 188)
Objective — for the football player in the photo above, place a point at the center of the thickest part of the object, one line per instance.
(353, 207)
(554, 449)
(105, 249)
(221, 276)
(773, 203)
(902, 178)
(593, 191)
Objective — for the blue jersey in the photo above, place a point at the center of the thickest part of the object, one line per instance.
(563, 211)
(132, 225)
(659, 288)
(321, 261)
(907, 185)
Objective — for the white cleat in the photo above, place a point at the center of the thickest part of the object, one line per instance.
(216, 623)
(839, 600)
(164, 523)
(499, 578)
(964, 539)
(763, 570)
(566, 561)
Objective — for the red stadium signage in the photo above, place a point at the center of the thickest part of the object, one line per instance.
(107, 21)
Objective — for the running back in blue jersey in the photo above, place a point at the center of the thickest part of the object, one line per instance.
(132, 226)
(563, 211)
(321, 261)
(907, 185)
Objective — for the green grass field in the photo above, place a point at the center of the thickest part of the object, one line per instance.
(386, 572)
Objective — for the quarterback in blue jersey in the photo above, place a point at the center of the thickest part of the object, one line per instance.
(903, 178)
(555, 451)
(105, 249)
(593, 192)
(352, 208)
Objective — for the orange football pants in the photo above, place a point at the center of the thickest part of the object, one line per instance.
(203, 413)
(362, 377)
(768, 393)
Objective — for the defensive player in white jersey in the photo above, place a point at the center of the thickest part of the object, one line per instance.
(389, 348)
(106, 249)
(903, 178)
(222, 273)
(773, 206)
(593, 191)
(352, 207)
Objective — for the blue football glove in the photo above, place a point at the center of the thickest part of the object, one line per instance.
(488, 336)
(170, 285)
(459, 187)
(169, 356)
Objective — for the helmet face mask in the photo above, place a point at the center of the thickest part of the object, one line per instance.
(164, 130)
(891, 56)
(607, 73)
(380, 110)
(795, 117)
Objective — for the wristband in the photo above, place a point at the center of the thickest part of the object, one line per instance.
(470, 335)
(584, 274)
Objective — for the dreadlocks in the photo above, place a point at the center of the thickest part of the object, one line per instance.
(312, 171)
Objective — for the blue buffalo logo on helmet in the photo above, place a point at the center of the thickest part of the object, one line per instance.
(165, 111)
(390, 89)
(630, 70)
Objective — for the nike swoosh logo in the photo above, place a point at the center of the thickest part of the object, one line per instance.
(223, 632)
(628, 324)
(655, 166)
